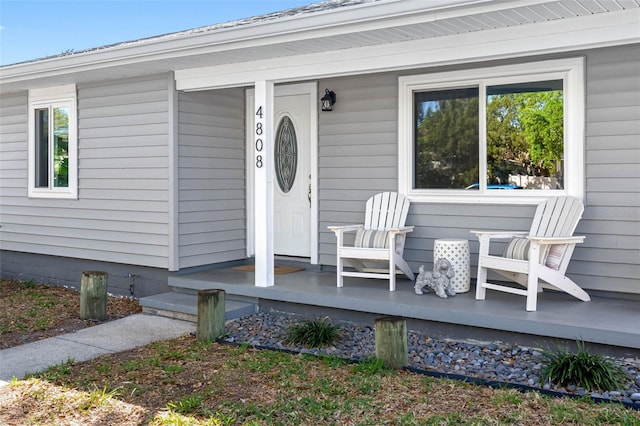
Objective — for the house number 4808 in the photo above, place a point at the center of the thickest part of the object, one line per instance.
(259, 142)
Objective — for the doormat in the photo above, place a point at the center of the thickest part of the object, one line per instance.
(279, 270)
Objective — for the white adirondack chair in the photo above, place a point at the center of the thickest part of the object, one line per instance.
(536, 259)
(379, 242)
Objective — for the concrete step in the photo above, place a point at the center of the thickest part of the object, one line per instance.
(184, 306)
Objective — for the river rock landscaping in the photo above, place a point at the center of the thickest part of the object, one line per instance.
(486, 361)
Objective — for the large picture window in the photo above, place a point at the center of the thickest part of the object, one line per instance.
(504, 133)
(52, 143)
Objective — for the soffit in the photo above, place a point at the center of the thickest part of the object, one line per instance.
(411, 22)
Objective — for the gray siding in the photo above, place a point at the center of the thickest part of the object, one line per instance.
(609, 259)
(358, 157)
(121, 214)
(13, 162)
(211, 176)
(357, 151)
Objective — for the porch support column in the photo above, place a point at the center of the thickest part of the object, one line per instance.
(263, 194)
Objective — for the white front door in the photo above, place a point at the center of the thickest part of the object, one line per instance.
(292, 176)
(294, 180)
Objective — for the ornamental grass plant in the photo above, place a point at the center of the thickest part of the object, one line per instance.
(583, 369)
(315, 333)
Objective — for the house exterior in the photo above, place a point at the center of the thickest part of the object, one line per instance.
(156, 156)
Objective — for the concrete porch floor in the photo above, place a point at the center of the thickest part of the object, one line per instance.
(608, 321)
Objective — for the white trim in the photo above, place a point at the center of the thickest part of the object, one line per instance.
(263, 182)
(310, 89)
(174, 237)
(570, 70)
(565, 35)
(52, 94)
(315, 187)
(47, 98)
(482, 110)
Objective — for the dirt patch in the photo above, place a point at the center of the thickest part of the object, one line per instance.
(31, 312)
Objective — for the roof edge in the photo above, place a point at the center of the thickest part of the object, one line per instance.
(346, 18)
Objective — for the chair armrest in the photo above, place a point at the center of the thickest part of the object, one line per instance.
(557, 240)
(344, 228)
(500, 234)
(402, 230)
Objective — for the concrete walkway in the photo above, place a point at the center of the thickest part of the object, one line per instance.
(103, 339)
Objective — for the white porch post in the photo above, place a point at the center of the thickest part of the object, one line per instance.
(263, 194)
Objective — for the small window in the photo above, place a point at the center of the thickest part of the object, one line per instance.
(511, 133)
(52, 143)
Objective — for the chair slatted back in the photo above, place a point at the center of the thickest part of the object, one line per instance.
(386, 210)
(557, 217)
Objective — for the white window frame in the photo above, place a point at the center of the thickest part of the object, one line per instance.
(571, 71)
(59, 96)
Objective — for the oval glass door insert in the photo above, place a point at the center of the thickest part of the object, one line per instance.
(286, 154)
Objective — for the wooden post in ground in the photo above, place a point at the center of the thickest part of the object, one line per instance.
(211, 310)
(93, 296)
(391, 341)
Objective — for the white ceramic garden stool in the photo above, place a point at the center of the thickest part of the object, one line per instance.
(457, 253)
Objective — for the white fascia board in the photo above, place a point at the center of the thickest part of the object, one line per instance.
(616, 28)
(344, 20)
(259, 33)
(341, 21)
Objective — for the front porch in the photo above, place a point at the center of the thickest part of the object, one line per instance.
(606, 321)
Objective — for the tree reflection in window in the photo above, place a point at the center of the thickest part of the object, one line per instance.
(524, 137)
(525, 134)
(447, 138)
(61, 147)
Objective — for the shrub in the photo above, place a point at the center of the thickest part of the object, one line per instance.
(590, 371)
(313, 333)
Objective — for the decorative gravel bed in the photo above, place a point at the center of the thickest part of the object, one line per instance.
(490, 361)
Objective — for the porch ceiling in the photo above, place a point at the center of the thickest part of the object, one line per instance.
(330, 27)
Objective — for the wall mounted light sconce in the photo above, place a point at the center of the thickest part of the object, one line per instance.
(328, 100)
